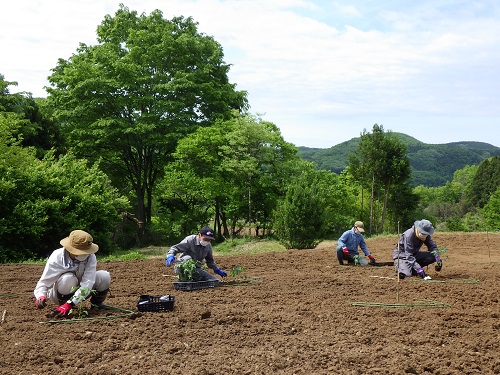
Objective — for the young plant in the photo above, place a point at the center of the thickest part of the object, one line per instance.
(185, 270)
(79, 311)
(235, 271)
(356, 259)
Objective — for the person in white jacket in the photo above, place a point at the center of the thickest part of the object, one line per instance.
(70, 275)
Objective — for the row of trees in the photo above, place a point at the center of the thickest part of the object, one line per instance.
(471, 201)
(142, 139)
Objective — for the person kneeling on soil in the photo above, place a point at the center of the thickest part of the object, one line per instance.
(70, 275)
(198, 248)
(348, 243)
(411, 260)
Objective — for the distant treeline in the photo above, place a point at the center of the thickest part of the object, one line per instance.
(432, 165)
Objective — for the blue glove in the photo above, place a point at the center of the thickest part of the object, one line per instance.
(170, 259)
(421, 272)
(220, 272)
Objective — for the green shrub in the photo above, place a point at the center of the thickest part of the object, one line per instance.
(49, 198)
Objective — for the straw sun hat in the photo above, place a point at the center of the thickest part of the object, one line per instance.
(79, 242)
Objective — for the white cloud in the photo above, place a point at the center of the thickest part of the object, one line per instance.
(321, 70)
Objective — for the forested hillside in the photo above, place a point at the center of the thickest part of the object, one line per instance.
(431, 164)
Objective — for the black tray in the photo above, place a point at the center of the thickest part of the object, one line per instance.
(155, 303)
(195, 285)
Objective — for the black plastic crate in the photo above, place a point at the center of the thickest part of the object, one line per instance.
(155, 303)
(195, 285)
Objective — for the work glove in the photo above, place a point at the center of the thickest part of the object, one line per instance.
(220, 272)
(439, 265)
(62, 310)
(372, 259)
(40, 302)
(170, 259)
(421, 273)
(346, 253)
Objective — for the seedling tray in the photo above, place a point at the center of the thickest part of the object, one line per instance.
(155, 303)
(195, 285)
(381, 264)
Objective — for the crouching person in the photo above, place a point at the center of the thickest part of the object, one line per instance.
(198, 248)
(408, 259)
(70, 276)
(348, 243)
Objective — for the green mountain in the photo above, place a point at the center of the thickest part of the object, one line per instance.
(432, 164)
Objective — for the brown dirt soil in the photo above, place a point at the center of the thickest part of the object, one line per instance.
(298, 320)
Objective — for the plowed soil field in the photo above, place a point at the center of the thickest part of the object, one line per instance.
(301, 313)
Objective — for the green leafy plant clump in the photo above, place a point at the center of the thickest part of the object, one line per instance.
(79, 312)
(185, 270)
(235, 271)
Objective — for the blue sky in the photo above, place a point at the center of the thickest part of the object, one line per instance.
(322, 71)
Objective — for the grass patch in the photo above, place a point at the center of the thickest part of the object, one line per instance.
(245, 245)
(123, 256)
(237, 246)
(34, 261)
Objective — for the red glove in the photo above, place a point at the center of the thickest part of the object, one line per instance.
(62, 310)
(346, 251)
(40, 302)
(372, 259)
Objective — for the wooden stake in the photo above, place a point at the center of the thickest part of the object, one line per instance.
(3, 316)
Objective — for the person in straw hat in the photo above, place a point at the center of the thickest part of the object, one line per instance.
(348, 243)
(408, 259)
(70, 275)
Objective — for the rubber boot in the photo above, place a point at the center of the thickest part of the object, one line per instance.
(98, 298)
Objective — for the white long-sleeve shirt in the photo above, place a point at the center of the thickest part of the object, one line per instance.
(58, 263)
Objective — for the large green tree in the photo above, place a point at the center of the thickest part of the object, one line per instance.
(233, 172)
(486, 182)
(127, 100)
(316, 205)
(33, 127)
(491, 211)
(380, 164)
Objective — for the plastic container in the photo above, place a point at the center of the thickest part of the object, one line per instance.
(195, 285)
(155, 303)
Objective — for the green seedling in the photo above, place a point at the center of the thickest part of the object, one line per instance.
(185, 270)
(356, 260)
(79, 311)
(235, 271)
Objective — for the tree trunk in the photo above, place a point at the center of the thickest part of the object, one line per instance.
(386, 197)
(372, 202)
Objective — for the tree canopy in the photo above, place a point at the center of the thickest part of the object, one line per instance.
(380, 164)
(233, 171)
(127, 100)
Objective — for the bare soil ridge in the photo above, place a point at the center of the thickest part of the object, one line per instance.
(298, 319)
